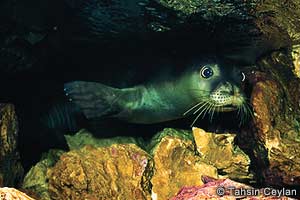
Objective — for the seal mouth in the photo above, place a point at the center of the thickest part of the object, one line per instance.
(227, 108)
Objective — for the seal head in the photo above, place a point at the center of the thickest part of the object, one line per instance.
(218, 90)
(200, 90)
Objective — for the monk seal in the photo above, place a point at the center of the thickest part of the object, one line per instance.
(200, 90)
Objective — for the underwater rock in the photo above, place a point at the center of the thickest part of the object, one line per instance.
(296, 59)
(209, 9)
(238, 28)
(232, 26)
(36, 179)
(276, 126)
(285, 17)
(275, 98)
(13, 194)
(156, 16)
(11, 170)
(226, 189)
(220, 151)
(114, 172)
(83, 138)
(15, 59)
(176, 163)
(16, 49)
(100, 168)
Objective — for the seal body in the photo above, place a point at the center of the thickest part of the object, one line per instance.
(200, 90)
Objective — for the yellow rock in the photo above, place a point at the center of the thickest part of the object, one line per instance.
(11, 169)
(220, 151)
(13, 194)
(105, 173)
(176, 165)
(296, 58)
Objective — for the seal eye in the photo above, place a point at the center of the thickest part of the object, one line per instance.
(206, 72)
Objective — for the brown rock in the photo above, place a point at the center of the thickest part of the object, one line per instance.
(278, 22)
(176, 164)
(11, 170)
(114, 172)
(13, 194)
(277, 150)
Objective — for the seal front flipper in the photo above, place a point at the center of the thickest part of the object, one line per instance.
(94, 99)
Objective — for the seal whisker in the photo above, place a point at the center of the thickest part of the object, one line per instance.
(213, 111)
(249, 110)
(249, 107)
(202, 106)
(209, 108)
(240, 115)
(192, 108)
(209, 111)
(205, 107)
(206, 110)
(196, 119)
(239, 110)
(245, 113)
